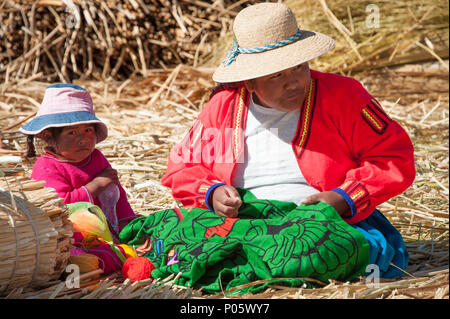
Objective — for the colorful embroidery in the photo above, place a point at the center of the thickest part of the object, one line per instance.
(221, 230)
(271, 240)
(203, 188)
(173, 258)
(375, 121)
(346, 185)
(379, 108)
(159, 247)
(145, 248)
(305, 121)
(179, 214)
(363, 206)
(237, 120)
(357, 194)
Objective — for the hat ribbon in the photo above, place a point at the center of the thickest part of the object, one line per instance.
(236, 50)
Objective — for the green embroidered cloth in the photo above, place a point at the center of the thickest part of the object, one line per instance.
(270, 240)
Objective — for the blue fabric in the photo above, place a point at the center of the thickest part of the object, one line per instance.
(208, 204)
(66, 85)
(58, 119)
(349, 201)
(386, 244)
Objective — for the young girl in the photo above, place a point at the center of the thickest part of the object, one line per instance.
(72, 165)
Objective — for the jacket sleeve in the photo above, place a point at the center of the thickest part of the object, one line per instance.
(189, 172)
(383, 153)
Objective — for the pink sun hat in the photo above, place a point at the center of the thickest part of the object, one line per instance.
(65, 105)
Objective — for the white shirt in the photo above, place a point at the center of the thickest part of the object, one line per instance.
(270, 169)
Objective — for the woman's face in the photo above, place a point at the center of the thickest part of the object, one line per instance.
(284, 91)
(76, 142)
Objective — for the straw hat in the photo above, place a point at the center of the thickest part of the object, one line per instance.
(65, 105)
(267, 40)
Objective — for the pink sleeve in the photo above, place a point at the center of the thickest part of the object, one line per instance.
(46, 170)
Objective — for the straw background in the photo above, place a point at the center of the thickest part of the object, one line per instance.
(148, 108)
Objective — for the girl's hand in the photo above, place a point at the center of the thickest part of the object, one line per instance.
(102, 180)
(332, 198)
(226, 201)
(108, 176)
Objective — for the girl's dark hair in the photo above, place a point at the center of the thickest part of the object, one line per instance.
(31, 150)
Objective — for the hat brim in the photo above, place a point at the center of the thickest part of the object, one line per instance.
(40, 123)
(255, 65)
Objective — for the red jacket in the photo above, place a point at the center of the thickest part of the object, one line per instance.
(345, 142)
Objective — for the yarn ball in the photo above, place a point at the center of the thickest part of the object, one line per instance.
(137, 268)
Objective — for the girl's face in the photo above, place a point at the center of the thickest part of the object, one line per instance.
(76, 142)
(284, 91)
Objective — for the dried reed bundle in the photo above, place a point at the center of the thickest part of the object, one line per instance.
(373, 34)
(65, 40)
(35, 234)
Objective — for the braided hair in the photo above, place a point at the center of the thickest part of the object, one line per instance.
(31, 150)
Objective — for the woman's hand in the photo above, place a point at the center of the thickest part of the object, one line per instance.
(332, 198)
(226, 201)
(102, 180)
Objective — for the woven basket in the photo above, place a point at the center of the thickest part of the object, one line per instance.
(35, 234)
